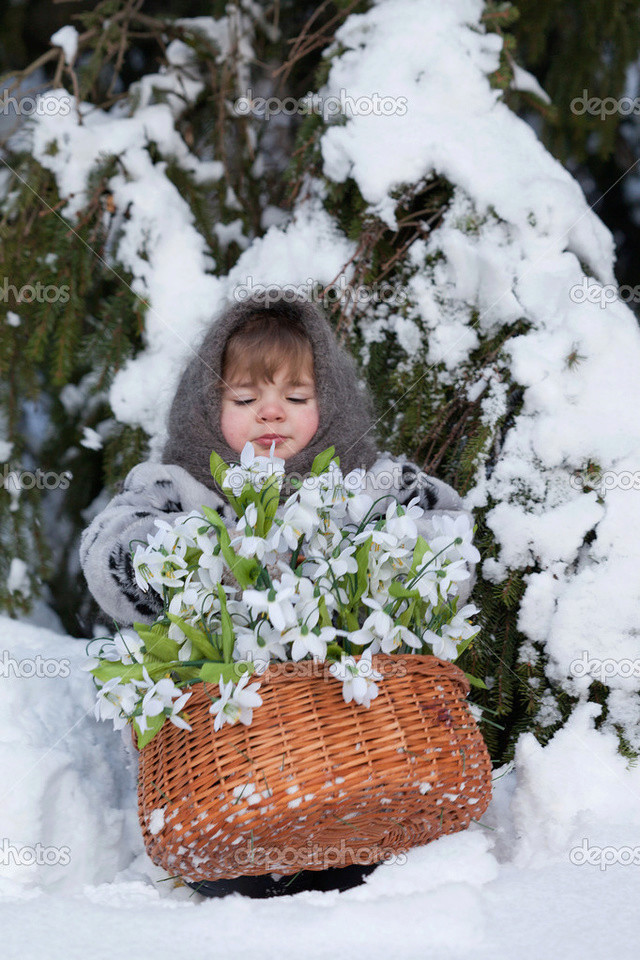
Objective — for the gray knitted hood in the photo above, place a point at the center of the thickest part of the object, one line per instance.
(346, 415)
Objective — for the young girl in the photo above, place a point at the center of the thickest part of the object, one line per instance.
(265, 372)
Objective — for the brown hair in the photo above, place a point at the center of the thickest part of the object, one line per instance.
(263, 344)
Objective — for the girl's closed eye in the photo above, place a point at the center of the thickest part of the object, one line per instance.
(291, 400)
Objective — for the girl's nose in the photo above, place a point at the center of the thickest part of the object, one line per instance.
(270, 409)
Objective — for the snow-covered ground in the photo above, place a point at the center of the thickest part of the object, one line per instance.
(552, 869)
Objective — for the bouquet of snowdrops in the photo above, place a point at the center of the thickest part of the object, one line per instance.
(322, 578)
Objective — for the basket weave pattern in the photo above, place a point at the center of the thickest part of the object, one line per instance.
(315, 782)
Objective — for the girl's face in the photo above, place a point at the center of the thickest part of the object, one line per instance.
(259, 413)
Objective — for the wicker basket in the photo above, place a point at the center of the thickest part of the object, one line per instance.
(315, 782)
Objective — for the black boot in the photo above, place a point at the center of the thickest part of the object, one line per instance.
(334, 878)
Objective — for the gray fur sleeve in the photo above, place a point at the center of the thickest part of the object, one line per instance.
(150, 490)
(405, 481)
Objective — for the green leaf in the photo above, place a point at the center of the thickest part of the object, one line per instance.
(192, 554)
(156, 641)
(269, 500)
(248, 494)
(362, 559)
(211, 672)
(350, 620)
(244, 569)
(198, 638)
(322, 461)
(334, 650)
(406, 615)
(418, 554)
(325, 618)
(397, 589)
(219, 468)
(154, 725)
(476, 681)
(462, 646)
(228, 635)
(109, 669)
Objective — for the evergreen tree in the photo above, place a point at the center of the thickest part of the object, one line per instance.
(157, 199)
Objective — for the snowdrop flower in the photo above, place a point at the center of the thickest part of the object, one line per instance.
(392, 562)
(249, 518)
(443, 647)
(191, 603)
(275, 603)
(298, 520)
(449, 575)
(326, 538)
(358, 507)
(399, 635)
(159, 699)
(188, 530)
(116, 701)
(155, 569)
(386, 634)
(128, 647)
(378, 622)
(358, 678)
(210, 570)
(338, 566)
(252, 469)
(305, 642)
(250, 546)
(403, 527)
(379, 538)
(235, 704)
(304, 593)
(452, 529)
(458, 629)
(259, 645)
(427, 582)
(469, 610)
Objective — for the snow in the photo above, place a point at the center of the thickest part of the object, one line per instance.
(18, 580)
(91, 439)
(527, 83)
(554, 853)
(5, 449)
(516, 243)
(67, 38)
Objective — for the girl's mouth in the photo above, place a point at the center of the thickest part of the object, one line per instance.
(266, 441)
